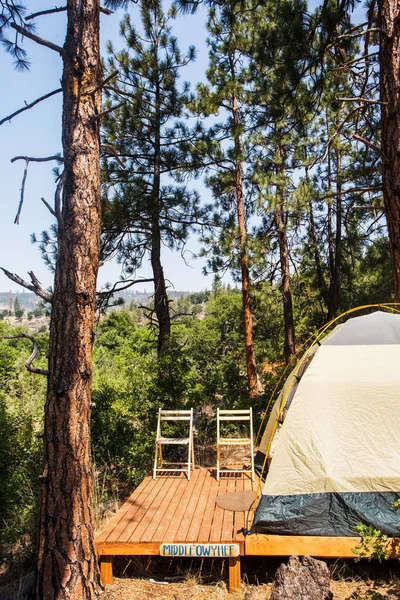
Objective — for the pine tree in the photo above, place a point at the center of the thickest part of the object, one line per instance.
(227, 93)
(144, 207)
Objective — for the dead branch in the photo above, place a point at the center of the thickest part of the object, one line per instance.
(363, 100)
(355, 190)
(371, 145)
(37, 39)
(332, 138)
(129, 283)
(34, 286)
(21, 199)
(28, 106)
(50, 11)
(57, 199)
(27, 161)
(56, 157)
(368, 207)
(102, 114)
(361, 33)
(101, 85)
(32, 357)
(114, 153)
(47, 205)
(355, 61)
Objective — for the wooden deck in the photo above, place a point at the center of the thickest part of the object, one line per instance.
(171, 509)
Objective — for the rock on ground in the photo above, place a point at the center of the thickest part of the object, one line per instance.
(302, 578)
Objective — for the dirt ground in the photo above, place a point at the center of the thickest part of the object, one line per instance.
(191, 589)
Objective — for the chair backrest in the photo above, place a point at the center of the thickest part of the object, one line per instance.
(245, 414)
(174, 415)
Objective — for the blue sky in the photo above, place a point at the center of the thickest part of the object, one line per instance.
(37, 132)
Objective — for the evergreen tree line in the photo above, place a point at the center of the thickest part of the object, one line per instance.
(284, 132)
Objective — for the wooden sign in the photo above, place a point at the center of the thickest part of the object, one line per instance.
(200, 550)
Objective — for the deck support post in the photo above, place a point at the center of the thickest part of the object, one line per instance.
(106, 569)
(234, 573)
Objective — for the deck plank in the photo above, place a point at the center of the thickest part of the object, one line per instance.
(204, 532)
(147, 512)
(215, 531)
(191, 508)
(126, 512)
(228, 517)
(174, 526)
(193, 532)
(160, 533)
(145, 534)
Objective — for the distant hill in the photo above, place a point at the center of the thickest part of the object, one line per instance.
(29, 301)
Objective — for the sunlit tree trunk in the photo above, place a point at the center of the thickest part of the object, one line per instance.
(251, 365)
(67, 562)
(389, 17)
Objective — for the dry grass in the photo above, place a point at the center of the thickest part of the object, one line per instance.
(207, 580)
(191, 589)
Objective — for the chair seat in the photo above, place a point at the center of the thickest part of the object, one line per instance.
(181, 441)
(234, 441)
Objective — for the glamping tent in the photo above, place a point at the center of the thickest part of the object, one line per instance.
(330, 453)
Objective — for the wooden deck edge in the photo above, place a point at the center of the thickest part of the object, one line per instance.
(151, 548)
(326, 547)
(133, 549)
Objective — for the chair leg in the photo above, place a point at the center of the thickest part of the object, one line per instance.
(155, 462)
(218, 460)
(189, 459)
(193, 467)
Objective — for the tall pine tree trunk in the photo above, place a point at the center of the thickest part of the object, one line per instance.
(67, 561)
(286, 289)
(161, 305)
(335, 262)
(389, 16)
(289, 345)
(251, 365)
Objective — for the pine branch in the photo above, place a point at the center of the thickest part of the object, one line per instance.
(32, 357)
(34, 287)
(37, 39)
(28, 106)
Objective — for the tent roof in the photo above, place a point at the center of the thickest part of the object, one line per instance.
(378, 328)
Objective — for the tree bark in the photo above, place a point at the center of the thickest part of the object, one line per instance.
(286, 289)
(335, 261)
(290, 345)
(389, 16)
(67, 562)
(251, 365)
(161, 304)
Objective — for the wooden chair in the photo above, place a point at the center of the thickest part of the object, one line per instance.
(234, 416)
(175, 416)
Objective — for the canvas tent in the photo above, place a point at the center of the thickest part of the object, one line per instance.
(331, 447)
